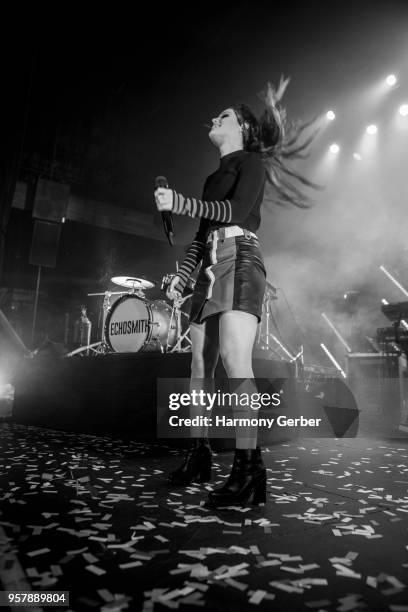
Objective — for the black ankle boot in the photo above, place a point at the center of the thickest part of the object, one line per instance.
(247, 478)
(196, 466)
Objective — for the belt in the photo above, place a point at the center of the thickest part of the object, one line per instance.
(229, 232)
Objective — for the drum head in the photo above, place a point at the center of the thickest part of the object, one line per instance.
(128, 325)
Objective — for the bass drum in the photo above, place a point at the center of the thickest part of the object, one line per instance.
(134, 325)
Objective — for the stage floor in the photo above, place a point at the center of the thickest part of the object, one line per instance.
(93, 516)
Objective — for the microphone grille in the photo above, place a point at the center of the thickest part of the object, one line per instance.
(161, 181)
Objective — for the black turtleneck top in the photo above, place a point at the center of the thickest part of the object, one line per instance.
(232, 195)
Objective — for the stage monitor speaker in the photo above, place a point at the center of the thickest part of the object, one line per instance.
(51, 200)
(44, 246)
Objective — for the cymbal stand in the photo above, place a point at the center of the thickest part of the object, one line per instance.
(101, 347)
(96, 348)
(185, 337)
(265, 336)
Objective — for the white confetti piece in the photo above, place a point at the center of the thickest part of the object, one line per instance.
(130, 564)
(270, 563)
(283, 586)
(257, 597)
(293, 570)
(40, 551)
(241, 586)
(105, 595)
(98, 571)
(161, 538)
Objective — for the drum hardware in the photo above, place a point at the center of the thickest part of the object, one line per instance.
(91, 348)
(266, 339)
(181, 337)
(83, 328)
(100, 347)
(265, 336)
(178, 313)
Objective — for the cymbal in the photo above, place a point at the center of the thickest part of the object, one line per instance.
(108, 292)
(131, 282)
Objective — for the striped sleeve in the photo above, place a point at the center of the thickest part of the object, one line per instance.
(250, 182)
(193, 257)
(216, 211)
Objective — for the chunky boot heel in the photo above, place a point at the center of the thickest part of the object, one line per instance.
(259, 496)
(247, 479)
(196, 466)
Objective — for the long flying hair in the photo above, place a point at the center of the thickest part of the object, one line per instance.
(279, 141)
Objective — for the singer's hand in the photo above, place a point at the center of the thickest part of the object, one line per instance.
(164, 199)
(172, 292)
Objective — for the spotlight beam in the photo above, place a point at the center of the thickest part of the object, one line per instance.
(338, 334)
(394, 280)
(332, 359)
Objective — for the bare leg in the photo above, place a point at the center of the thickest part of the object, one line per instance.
(197, 463)
(205, 347)
(237, 332)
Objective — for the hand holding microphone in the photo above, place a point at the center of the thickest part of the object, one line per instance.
(164, 199)
(164, 202)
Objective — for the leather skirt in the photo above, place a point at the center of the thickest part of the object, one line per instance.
(232, 277)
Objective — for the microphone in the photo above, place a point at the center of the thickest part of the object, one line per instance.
(167, 216)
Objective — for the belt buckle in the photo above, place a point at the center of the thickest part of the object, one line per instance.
(221, 234)
(247, 234)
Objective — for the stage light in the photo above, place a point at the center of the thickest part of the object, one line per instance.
(333, 360)
(403, 111)
(330, 115)
(394, 280)
(357, 156)
(334, 148)
(6, 391)
(391, 80)
(371, 129)
(6, 399)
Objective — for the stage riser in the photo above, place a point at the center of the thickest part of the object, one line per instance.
(113, 394)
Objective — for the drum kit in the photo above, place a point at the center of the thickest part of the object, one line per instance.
(131, 323)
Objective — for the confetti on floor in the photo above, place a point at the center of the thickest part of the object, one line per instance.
(94, 516)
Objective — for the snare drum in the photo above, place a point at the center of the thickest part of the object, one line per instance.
(134, 325)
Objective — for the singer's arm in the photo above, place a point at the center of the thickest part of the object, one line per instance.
(249, 183)
(194, 255)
